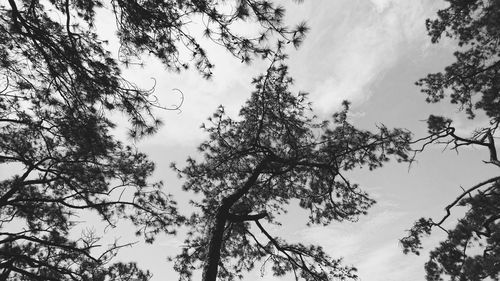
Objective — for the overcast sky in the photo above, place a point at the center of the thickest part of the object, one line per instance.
(367, 51)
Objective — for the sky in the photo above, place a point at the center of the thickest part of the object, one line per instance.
(367, 51)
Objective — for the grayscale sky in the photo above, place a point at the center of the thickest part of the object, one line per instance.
(367, 51)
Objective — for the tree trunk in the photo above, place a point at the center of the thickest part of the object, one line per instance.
(215, 244)
(217, 234)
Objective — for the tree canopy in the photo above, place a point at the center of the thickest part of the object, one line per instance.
(471, 250)
(254, 166)
(58, 83)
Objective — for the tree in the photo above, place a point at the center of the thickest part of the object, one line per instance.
(253, 167)
(58, 83)
(471, 250)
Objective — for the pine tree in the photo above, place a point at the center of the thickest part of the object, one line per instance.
(254, 166)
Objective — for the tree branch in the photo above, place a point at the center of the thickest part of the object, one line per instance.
(468, 191)
(242, 218)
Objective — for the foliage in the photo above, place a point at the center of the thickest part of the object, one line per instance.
(58, 82)
(253, 167)
(475, 24)
(471, 250)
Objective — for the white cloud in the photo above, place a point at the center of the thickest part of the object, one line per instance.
(349, 239)
(356, 45)
(388, 263)
(371, 245)
(381, 5)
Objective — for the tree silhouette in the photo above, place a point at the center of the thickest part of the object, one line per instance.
(471, 250)
(58, 83)
(254, 166)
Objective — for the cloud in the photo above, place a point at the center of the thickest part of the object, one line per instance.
(371, 245)
(357, 45)
(351, 238)
(388, 263)
(381, 5)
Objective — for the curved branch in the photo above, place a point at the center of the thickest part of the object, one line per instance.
(468, 191)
